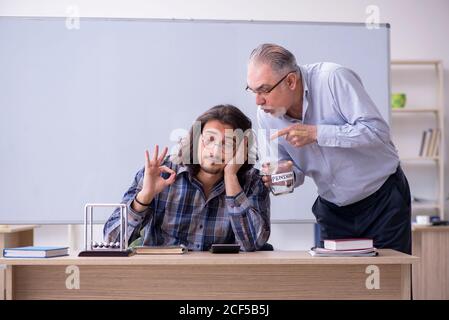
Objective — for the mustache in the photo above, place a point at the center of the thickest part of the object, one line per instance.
(274, 111)
(266, 108)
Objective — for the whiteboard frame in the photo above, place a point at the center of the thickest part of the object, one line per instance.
(387, 26)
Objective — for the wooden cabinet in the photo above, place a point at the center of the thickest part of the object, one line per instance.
(430, 276)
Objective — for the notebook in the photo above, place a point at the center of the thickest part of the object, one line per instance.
(35, 252)
(160, 249)
(322, 252)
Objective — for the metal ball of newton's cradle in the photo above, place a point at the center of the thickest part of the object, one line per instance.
(112, 245)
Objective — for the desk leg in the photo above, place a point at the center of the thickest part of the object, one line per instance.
(8, 283)
(2, 282)
(406, 281)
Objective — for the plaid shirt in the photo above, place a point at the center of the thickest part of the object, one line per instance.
(181, 214)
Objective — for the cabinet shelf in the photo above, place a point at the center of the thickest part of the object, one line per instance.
(415, 110)
(420, 159)
(425, 205)
(415, 62)
(436, 110)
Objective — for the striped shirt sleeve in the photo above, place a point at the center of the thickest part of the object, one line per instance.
(249, 212)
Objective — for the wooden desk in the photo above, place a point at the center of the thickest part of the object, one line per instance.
(431, 274)
(202, 275)
(13, 236)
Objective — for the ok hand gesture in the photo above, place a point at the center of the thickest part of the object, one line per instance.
(153, 183)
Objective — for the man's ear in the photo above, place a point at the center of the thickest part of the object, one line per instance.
(292, 81)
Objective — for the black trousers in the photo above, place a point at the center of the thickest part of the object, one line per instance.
(384, 216)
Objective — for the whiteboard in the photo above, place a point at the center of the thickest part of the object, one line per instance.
(80, 106)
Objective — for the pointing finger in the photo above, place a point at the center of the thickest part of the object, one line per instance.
(280, 133)
(298, 133)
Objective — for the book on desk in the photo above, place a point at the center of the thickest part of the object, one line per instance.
(35, 252)
(348, 244)
(357, 247)
(322, 252)
(175, 249)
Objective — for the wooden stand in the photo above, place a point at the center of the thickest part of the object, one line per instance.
(106, 253)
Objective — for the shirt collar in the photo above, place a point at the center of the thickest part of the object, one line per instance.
(217, 189)
(305, 94)
(181, 169)
(304, 78)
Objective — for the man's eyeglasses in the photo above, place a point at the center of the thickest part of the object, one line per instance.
(265, 91)
(210, 141)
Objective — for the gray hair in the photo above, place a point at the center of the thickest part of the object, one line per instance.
(279, 58)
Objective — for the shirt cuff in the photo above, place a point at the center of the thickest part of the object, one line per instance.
(134, 217)
(237, 204)
(327, 135)
(299, 177)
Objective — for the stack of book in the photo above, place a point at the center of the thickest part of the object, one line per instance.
(430, 143)
(345, 248)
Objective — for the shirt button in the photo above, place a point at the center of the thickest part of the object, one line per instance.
(334, 185)
(197, 245)
(201, 226)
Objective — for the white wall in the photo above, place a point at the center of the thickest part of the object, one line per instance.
(418, 31)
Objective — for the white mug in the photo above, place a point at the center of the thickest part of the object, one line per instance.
(424, 220)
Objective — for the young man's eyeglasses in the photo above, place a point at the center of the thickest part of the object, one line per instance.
(210, 141)
(266, 91)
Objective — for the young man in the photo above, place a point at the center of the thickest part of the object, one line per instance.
(209, 194)
(333, 132)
